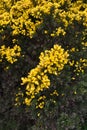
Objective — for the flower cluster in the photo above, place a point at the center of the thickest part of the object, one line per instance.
(26, 16)
(27, 23)
(10, 54)
(79, 65)
(51, 62)
(54, 93)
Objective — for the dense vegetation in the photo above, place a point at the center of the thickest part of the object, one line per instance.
(43, 64)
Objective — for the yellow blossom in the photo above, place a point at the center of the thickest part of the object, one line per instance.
(51, 61)
(10, 54)
(27, 101)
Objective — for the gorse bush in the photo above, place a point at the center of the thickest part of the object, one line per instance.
(51, 62)
(43, 64)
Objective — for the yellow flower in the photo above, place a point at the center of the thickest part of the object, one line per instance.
(10, 54)
(52, 34)
(27, 101)
(75, 92)
(72, 49)
(51, 61)
(38, 114)
(41, 98)
(71, 62)
(45, 31)
(41, 105)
